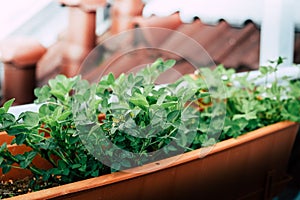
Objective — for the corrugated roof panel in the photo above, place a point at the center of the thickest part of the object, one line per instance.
(234, 47)
(246, 55)
(235, 12)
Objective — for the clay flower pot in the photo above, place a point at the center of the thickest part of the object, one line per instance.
(253, 166)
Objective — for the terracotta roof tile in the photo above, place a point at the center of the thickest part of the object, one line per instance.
(177, 41)
(235, 47)
(207, 35)
(248, 50)
(118, 63)
(157, 37)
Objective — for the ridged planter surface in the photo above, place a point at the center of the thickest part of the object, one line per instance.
(253, 166)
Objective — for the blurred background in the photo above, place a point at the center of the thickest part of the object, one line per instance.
(41, 38)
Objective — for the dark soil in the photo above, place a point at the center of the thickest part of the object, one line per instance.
(12, 188)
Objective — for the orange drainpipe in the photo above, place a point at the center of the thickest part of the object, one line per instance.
(81, 36)
(123, 13)
(19, 56)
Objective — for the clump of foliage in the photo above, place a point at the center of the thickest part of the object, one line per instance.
(251, 106)
(51, 134)
(140, 118)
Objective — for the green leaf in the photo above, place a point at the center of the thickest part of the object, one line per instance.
(156, 63)
(8, 104)
(242, 123)
(280, 60)
(20, 138)
(73, 140)
(263, 70)
(3, 147)
(65, 171)
(169, 104)
(139, 100)
(6, 169)
(61, 164)
(95, 173)
(29, 156)
(170, 63)
(58, 94)
(64, 115)
(42, 94)
(161, 98)
(6, 120)
(115, 166)
(247, 116)
(30, 119)
(209, 142)
(57, 112)
(183, 140)
(56, 171)
(171, 148)
(20, 157)
(126, 163)
(56, 83)
(110, 79)
(76, 166)
(173, 115)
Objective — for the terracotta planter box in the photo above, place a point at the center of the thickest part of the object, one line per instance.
(5, 138)
(253, 166)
